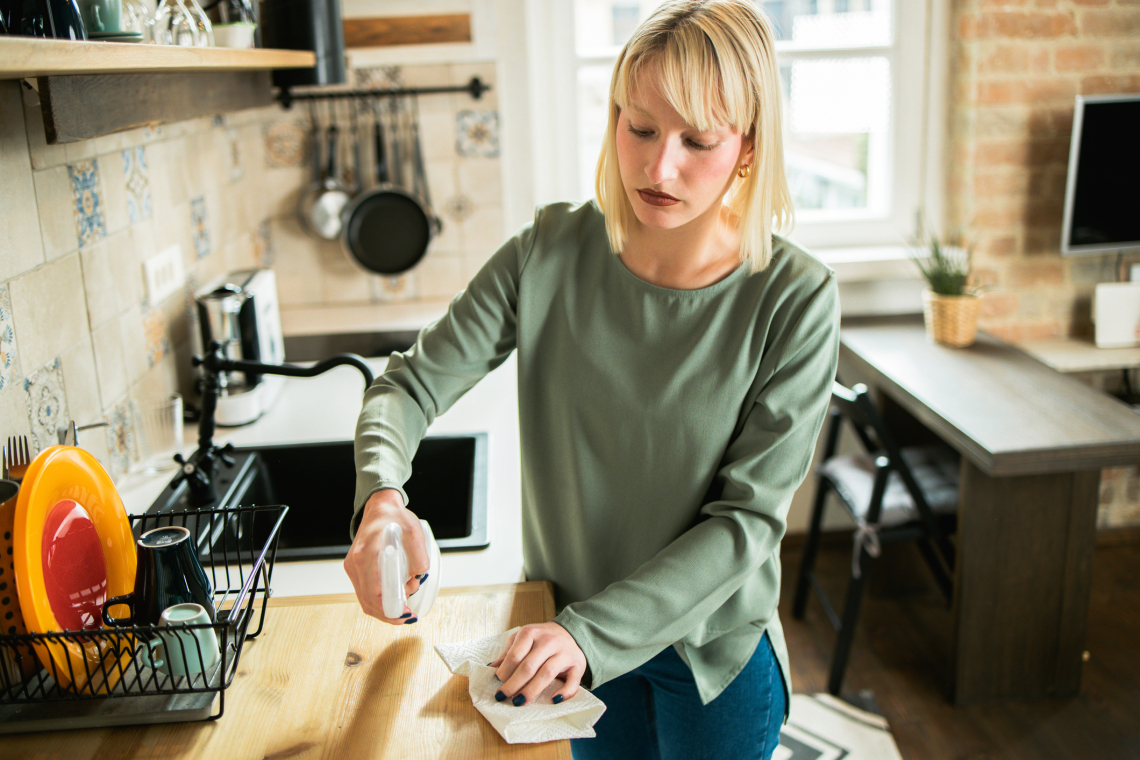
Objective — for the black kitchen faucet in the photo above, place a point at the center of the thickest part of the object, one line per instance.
(198, 470)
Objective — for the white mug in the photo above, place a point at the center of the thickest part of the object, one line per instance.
(182, 653)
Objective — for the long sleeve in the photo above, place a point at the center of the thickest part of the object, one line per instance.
(450, 356)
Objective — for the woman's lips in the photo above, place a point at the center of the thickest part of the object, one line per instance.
(657, 199)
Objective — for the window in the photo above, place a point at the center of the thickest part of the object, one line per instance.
(853, 74)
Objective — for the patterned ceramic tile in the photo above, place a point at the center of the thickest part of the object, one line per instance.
(137, 177)
(198, 227)
(477, 134)
(47, 404)
(90, 224)
(9, 360)
(458, 208)
(379, 77)
(157, 338)
(120, 440)
(263, 245)
(285, 143)
(394, 289)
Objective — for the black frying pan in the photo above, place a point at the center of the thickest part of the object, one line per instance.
(387, 229)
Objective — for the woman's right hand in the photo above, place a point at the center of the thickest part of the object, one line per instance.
(362, 563)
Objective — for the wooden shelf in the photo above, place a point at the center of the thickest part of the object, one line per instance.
(22, 57)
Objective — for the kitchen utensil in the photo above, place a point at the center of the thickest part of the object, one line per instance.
(321, 206)
(138, 18)
(236, 35)
(187, 645)
(60, 19)
(357, 167)
(17, 457)
(174, 25)
(64, 489)
(168, 573)
(202, 22)
(102, 16)
(393, 562)
(158, 430)
(387, 229)
(11, 619)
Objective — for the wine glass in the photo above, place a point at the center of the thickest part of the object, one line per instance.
(173, 25)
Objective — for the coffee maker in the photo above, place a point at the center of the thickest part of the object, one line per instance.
(240, 311)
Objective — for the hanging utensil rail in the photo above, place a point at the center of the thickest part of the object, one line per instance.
(475, 88)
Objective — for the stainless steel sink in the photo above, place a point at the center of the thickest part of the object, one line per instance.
(448, 488)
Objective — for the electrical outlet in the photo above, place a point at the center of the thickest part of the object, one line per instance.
(164, 275)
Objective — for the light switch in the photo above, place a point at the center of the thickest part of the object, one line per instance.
(164, 275)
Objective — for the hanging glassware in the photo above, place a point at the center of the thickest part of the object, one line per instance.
(173, 25)
(202, 22)
(137, 17)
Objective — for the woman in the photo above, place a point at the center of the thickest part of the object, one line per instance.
(675, 361)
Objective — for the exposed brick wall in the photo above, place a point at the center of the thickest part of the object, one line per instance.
(1017, 67)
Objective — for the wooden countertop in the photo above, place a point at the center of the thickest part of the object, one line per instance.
(1004, 410)
(324, 680)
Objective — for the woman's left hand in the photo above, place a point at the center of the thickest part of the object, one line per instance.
(536, 656)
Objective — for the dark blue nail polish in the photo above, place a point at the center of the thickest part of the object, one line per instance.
(420, 577)
(423, 578)
(412, 620)
(500, 696)
(405, 615)
(519, 700)
(557, 698)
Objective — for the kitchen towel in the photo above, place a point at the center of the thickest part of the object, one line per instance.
(539, 721)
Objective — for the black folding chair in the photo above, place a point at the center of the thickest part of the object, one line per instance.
(893, 494)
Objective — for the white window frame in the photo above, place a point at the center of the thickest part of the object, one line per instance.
(919, 65)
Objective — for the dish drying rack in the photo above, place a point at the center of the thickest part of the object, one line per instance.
(237, 547)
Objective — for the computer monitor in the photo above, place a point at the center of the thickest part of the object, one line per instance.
(1102, 193)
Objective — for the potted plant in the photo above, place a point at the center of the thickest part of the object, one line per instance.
(950, 302)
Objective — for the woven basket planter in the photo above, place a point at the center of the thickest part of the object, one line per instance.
(951, 320)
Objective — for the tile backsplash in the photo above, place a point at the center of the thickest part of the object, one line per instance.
(79, 339)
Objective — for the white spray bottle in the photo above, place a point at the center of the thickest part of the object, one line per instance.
(394, 573)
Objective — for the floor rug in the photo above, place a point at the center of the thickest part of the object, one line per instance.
(823, 727)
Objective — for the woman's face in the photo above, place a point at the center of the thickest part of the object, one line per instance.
(672, 172)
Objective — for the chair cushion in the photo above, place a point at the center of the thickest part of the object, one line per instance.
(935, 468)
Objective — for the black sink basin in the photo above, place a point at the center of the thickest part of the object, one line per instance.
(448, 488)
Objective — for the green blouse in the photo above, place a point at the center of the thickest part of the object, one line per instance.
(663, 433)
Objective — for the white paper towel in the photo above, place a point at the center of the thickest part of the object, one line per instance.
(537, 721)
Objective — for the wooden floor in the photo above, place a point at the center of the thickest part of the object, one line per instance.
(900, 653)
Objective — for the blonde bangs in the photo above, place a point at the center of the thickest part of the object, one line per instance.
(714, 62)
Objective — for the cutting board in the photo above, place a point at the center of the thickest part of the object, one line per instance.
(324, 680)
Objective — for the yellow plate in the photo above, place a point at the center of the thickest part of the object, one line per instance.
(69, 474)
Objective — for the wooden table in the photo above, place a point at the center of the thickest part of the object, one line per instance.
(326, 681)
(1033, 442)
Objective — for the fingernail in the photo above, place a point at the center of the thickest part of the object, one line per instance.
(519, 700)
(423, 578)
(412, 620)
(557, 698)
(500, 696)
(405, 615)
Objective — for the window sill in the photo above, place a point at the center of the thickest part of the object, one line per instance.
(875, 280)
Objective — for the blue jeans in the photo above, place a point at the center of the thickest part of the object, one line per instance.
(655, 712)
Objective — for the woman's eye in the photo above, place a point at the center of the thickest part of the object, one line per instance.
(702, 146)
(639, 132)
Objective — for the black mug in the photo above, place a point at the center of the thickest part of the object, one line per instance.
(60, 19)
(168, 573)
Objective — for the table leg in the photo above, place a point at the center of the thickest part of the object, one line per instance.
(1021, 592)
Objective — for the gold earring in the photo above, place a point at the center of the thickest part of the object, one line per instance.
(744, 171)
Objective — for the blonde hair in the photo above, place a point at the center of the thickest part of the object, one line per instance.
(715, 63)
